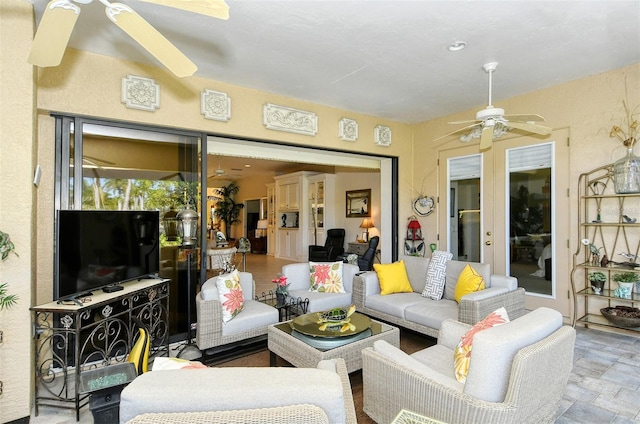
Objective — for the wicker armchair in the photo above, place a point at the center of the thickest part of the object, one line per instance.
(517, 374)
(253, 321)
(241, 395)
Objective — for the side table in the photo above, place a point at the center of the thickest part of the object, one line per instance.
(291, 308)
(357, 248)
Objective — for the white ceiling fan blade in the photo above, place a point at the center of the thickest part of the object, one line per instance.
(53, 34)
(149, 38)
(459, 130)
(486, 138)
(533, 128)
(469, 121)
(214, 8)
(525, 118)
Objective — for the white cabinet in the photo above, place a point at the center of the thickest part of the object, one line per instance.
(271, 219)
(288, 243)
(321, 189)
(292, 215)
(289, 196)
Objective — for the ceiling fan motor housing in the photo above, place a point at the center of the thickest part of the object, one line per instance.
(490, 112)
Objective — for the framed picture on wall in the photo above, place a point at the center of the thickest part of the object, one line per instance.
(358, 203)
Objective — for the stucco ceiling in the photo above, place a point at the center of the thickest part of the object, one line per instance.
(385, 58)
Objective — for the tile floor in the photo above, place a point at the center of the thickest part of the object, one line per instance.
(604, 386)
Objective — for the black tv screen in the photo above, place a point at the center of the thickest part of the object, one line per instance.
(95, 249)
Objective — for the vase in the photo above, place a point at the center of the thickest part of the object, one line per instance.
(281, 298)
(626, 172)
(597, 286)
(624, 289)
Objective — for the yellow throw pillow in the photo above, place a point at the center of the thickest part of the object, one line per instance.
(393, 278)
(469, 281)
(462, 352)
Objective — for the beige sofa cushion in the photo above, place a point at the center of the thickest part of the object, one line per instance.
(494, 349)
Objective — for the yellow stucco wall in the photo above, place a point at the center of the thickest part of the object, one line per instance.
(17, 206)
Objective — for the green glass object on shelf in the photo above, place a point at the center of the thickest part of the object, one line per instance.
(627, 173)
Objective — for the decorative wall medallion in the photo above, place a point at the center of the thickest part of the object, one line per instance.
(140, 93)
(215, 105)
(382, 135)
(282, 118)
(348, 129)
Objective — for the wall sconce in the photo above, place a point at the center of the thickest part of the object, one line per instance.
(366, 224)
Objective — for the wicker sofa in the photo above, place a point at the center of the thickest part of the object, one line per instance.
(424, 315)
(517, 374)
(241, 395)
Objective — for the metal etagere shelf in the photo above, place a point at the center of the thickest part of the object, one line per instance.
(96, 331)
(611, 223)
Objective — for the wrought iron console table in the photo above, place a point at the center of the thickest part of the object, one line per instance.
(97, 331)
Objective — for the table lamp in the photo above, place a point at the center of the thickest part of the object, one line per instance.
(366, 224)
(262, 225)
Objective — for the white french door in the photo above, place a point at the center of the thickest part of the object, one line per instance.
(508, 207)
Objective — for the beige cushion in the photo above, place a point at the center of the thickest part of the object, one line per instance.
(494, 349)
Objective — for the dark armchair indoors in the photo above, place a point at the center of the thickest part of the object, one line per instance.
(365, 262)
(333, 246)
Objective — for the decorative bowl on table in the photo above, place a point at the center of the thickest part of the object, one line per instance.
(622, 316)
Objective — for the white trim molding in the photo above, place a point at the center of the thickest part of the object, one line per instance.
(382, 135)
(215, 105)
(281, 118)
(140, 93)
(348, 129)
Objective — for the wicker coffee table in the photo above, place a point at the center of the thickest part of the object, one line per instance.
(300, 354)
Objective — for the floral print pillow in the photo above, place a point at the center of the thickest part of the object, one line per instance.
(230, 294)
(326, 277)
(462, 352)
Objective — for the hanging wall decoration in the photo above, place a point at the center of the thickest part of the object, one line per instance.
(413, 242)
(215, 105)
(348, 129)
(424, 205)
(283, 118)
(140, 93)
(382, 135)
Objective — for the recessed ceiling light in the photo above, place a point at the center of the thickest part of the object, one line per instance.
(247, 165)
(457, 46)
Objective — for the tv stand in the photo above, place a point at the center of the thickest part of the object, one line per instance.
(76, 337)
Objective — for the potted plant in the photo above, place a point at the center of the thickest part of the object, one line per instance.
(227, 209)
(597, 281)
(626, 281)
(6, 247)
(282, 288)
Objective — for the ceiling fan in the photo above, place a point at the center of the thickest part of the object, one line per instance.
(60, 16)
(491, 122)
(218, 172)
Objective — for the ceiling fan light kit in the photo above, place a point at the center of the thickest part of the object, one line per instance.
(60, 16)
(492, 123)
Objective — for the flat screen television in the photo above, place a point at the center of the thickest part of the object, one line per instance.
(96, 249)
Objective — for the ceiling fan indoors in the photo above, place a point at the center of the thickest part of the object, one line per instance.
(60, 16)
(491, 122)
(235, 172)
